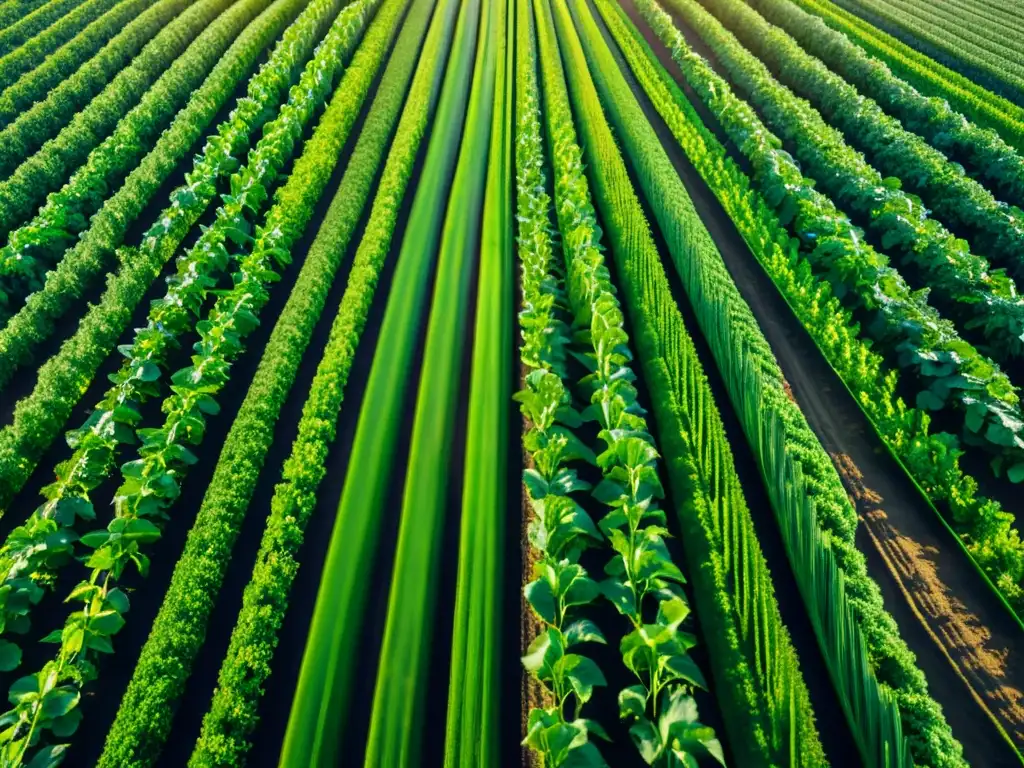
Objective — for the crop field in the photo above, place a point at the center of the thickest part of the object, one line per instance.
(493, 383)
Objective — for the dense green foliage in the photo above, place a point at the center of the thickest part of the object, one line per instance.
(35, 549)
(13, 10)
(641, 579)
(147, 710)
(948, 371)
(32, 176)
(62, 380)
(60, 65)
(32, 53)
(841, 265)
(816, 518)
(40, 114)
(985, 155)
(103, 167)
(151, 483)
(949, 40)
(927, 75)
(954, 197)
(36, 21)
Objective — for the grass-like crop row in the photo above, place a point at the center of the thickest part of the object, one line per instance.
(12, 11)
(40, 115)
(233, 713)
(151, 483)
(474, 709)
(925, 74)
(64, 378)
(316, 725)
(958, 374)
(816, 518)
(985, 155)
(32, 247)
(21, 93)
(398, 716)
(932, 459)
(717, 530)
(36, 21)
(32, 552)
(953, 196)
(641, 580)
(32, 52)
(34, 174)
(958, 49)
(145, 717)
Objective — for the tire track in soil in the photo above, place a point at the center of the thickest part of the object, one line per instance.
(961, 634)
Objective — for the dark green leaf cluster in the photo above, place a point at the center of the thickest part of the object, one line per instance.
(12, 11)
(31, 54)
(24, 28)
(133, 102)
(951, 41)
(34, 550)
(933, 459)
(816, 517)
(978, 296)
(950, 372)
(32, 249)
(985, 154)
(48, 98)
(931, 78)
(63, 379)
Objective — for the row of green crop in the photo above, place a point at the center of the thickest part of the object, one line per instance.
(932, 459)
(983, 152)
(980, 299)
(817, 520)
(30, 554)
(956, 52)
(62, 380)
(950, 371)
(995, 41)
(831, 268)
(398, 715)
(927, 75)
(145, 717)
(101, 169)
(31, 53)
(641, 580)
(757, 677)
(33, 23)
(151, 484)
(559, 529)
(322, 700)
(12, 11)
(63, 63)
(472, 724)
(40, 114)
(993, 304)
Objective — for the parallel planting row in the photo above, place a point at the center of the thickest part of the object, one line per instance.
(364, 362)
